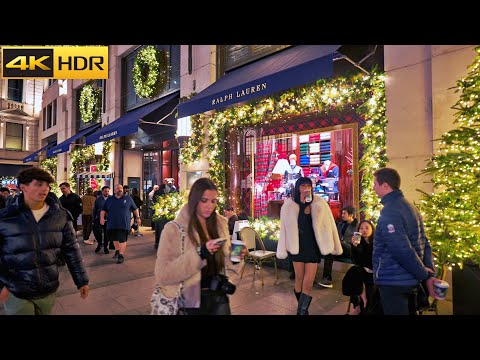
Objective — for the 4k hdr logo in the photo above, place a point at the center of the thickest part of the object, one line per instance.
(55, 62)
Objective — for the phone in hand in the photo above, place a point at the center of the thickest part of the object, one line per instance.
(220, 241)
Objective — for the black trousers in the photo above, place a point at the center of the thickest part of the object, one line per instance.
(100, 233)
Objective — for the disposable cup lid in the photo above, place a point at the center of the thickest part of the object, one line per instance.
(442, 284)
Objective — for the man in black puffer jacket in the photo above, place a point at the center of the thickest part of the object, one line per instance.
(34, 231)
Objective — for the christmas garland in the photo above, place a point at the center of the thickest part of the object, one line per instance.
(81, 155)
(89, 103)
(361, 93)
(150, 71)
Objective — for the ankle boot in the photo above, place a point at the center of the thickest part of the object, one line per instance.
(297, 294)
(303, 304)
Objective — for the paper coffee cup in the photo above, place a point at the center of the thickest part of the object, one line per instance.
(237, 246)
(440, 289)
(358, 237)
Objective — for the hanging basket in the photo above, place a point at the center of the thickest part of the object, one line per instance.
(150, 71)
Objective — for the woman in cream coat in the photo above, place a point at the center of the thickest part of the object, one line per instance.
(306, 230)
(202, 259)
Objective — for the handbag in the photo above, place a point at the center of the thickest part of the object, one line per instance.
(163, 305)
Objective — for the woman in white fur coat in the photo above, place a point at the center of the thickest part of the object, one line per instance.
(307, 229)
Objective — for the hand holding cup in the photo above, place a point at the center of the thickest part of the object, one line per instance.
(357, 237)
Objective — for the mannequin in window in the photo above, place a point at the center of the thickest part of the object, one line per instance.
(293, 173)
(330, 171)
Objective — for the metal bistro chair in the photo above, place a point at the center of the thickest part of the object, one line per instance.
(250, 237)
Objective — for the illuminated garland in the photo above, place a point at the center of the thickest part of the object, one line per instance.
(150, 71)
(168, 205)
(266, 227)
(361, 93)
(81, 155)
(50, 165)
(452, 212)
(89, 103)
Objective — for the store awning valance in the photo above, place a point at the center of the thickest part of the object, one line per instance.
(95, 175)
(295, 66)
(128, 123)
(32, 156)
(65, 145)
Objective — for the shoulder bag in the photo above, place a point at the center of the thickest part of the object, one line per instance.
(163, 305)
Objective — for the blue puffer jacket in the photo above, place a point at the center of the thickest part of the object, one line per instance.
(29, 250)
(401, 252)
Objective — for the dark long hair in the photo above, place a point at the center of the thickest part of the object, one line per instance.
(370, 238)
(196, 193)
(300, 181)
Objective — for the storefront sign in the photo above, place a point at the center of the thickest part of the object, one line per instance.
(238, 94)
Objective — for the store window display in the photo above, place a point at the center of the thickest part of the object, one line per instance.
(329, 173)
(292, 173)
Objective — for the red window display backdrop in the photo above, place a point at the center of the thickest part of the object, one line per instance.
(268, 150)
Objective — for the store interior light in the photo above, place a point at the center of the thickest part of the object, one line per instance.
(184, 127)
(98, 148)
(281, 166)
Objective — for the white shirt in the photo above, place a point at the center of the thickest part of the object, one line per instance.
(37, 214)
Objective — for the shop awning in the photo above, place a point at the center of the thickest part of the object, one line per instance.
(295, 66)
(65, 145)
(128, 123)
(95, 175)
(32, 156)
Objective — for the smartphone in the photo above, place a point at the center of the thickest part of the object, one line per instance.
(220, 241)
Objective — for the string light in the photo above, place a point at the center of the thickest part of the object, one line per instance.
(451, 212)
(364, 94)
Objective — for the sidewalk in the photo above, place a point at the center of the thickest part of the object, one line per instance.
(125, 289)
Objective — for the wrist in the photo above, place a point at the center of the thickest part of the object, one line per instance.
(202, 251)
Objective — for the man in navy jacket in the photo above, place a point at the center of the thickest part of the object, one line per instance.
(402, 256)
(34, 231)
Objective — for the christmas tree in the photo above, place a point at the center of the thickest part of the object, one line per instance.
(452, 212)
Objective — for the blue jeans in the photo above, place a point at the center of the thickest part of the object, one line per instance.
(17, 306)
(396, 300)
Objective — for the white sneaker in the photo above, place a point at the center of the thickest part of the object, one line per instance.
(88, 242)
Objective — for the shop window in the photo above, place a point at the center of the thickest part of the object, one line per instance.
(14, 136)
(233, 56)
(15, 90)
(132, 100)
(325, 155)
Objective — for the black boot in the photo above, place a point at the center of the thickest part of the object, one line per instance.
(297, 294)
(303, 304)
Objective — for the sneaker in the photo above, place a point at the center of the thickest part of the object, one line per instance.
(99, 247)
(120, 259)
(105, 251)
(117, 253)
(326, 283)
(88, 242)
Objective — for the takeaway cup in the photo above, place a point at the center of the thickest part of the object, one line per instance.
(237, 246)
(357, 237)
(440, 289)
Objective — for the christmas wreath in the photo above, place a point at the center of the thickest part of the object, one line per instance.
(89, 103)
(150, 71)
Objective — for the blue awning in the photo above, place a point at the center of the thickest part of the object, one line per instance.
(31, 157)
(65, 145)
(295, 66)
(128, 123)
